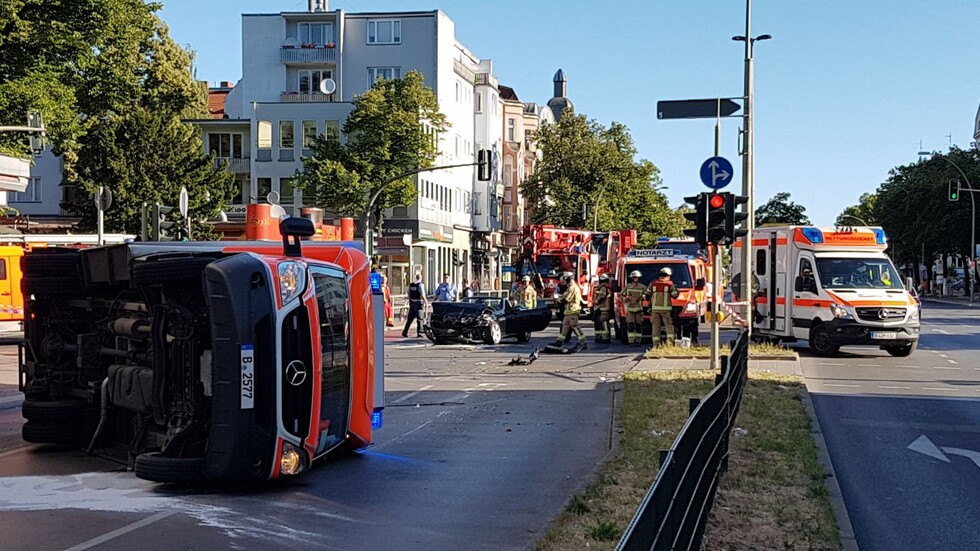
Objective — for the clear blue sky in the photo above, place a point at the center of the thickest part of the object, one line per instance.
(845, 90)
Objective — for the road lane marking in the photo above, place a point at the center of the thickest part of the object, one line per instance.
(410, 394)
(834, 365)
(869, 365)
(947, 367)
(848, 386)
(940, 389)
(124, 530)
(943, 356)
(889, 387)
(941, 331)
(954, 362)
(909, 366)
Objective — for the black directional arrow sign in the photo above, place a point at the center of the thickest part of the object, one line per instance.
(696, 108)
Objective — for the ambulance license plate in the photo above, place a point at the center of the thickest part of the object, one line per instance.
(248, 376)
(884, 335)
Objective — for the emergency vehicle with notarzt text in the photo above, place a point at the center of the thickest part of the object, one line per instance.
(193, 361)
(688, 276)
(832, 287)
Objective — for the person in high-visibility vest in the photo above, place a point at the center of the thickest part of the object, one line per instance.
(602, 299)
(528, 297)
(572, 300)
(661, 294)
(633, 300)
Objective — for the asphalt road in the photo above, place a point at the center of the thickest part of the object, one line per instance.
(474, 454)
(904, 434)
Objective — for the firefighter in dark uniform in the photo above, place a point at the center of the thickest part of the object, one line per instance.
(633, 300)
(602, 298)
(416, 305)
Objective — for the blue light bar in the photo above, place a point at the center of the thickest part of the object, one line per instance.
(375, 283)
(880, 236)
(376, 419)
(813, 234)
(662, 239)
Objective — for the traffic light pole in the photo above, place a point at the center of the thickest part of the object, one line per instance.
(716, 273)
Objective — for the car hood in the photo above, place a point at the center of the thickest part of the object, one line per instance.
(457, 310)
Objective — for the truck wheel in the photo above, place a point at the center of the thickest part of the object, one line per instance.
(158, 468)
(820, 342)
(50, 263)
(170, 270)
(63, 434)
(493, 334)
(903, 350)
(57, 411)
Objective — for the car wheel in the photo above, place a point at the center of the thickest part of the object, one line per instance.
(158, 468)
(524, 337)
(820, 342)
(63, 434)
(902, 351)
(493, 334)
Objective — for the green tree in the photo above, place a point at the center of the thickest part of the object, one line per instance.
(147, 156)
(586, 164)
(80, 62)
(862, 214)
(393, 129)
(781, 211)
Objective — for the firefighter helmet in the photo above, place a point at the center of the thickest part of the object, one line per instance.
(603, 278)
(526, 278)
(635, 273)
(666, 271)
(567, 276)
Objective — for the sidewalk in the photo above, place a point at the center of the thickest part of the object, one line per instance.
(958, 300)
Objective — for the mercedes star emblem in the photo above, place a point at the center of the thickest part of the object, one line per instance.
(883, 313)
(295, 373)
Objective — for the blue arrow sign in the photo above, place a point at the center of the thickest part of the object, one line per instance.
(717, 172)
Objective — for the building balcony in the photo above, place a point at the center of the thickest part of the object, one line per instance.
(308, 56)
(486, 79)
(236, 165)
(464, 71)
(305, 97)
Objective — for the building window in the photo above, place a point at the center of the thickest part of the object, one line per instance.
(331, 130)
(286, 134)
(510, 129)
(287, 191)
(387, 73)
(477, 197)
(30, 195)
(401, 211)
(467, 205)
(459, 91)
(309, 80)
(309, 134)
(384, 31)
(479, 102)
(315, 33)
(265, 134)
(263, 189)
(225, 145)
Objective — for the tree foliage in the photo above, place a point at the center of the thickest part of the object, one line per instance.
(913, 208)
(781, 211)
(861, 214)
(147, 156)
(82, 62)
(585, 163)
(392, 130)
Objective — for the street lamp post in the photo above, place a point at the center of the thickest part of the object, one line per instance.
(973, 216)
(748, 161)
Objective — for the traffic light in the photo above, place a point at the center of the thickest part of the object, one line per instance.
(456, 261)
(160, 224)
(718, 218)
(954, 190)
(483, 165)
(735, 218)
(699, 217)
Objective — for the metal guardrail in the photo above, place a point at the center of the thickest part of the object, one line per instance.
(674, 512)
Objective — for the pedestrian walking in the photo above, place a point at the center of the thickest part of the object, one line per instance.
(633, 300)
(447, 291)
(416, 306)
(572, 300)
(602, 298)
(467, 290)
(661, 294)
(389, 306)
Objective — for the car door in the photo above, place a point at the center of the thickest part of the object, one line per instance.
(538, 318)
(806, 299)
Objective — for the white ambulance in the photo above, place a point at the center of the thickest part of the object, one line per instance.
(831, 287)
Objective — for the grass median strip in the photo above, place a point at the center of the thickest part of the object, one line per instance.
(755, 349)
(772, 497)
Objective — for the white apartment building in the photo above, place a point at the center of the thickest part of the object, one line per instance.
(300, 74)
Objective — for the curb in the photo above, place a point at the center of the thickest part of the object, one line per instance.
(953, 302)
(847, 540)
(794, 358)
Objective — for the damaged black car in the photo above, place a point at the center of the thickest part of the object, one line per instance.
(484, 320)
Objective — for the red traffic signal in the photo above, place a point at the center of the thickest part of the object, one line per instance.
(717, 201)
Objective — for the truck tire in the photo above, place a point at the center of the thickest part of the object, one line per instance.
(62, 434)
(159, 468)
(56, 411)
(170, 270)
(49, 263)
(903, 350)
(820, 342)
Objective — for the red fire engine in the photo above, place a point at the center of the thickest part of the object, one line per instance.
(549, 251)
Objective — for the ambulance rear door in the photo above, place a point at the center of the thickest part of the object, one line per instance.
(770, 249)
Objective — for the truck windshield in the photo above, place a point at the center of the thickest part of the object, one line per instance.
(857, 273)
(548, 265)
(681, 273)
